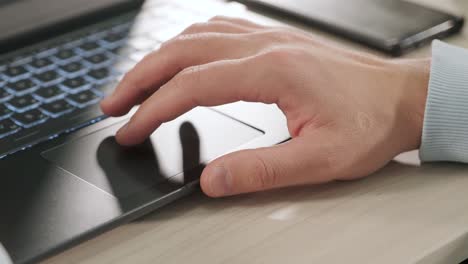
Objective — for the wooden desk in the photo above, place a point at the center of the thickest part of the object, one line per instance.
(403, 214)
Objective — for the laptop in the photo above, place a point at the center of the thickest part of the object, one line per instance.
(64, 179)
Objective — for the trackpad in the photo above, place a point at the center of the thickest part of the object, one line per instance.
(182, 145)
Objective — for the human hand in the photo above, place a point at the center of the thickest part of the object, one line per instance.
(348, 113)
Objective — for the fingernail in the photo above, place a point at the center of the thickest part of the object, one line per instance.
(220, 181)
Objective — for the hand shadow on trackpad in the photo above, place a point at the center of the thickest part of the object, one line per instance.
(130, 169)
(171, 157)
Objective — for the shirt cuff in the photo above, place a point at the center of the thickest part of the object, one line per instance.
(445, 131)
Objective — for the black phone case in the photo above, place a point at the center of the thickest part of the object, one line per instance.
(452, 26)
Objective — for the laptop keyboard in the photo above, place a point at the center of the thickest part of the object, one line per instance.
(56, 81)
(62, 79)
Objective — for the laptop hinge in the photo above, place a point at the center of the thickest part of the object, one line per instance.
(69, 25)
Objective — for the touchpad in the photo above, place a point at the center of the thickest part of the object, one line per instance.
(182, 145)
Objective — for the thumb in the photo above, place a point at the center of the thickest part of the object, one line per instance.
(292, 163)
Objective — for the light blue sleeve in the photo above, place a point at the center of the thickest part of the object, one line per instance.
(445, 132)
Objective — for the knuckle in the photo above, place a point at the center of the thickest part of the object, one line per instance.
(283, 56)
(282, 35)
(180, 41)
(189, 77)
(191, 74)
(274, 62)
(218, 18)
(173, 43)
(184, 40)
(196, 27)
(278, 54)
(232, 20)
(177, 83)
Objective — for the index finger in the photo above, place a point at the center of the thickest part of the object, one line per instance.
(207, 85)
(161, 65)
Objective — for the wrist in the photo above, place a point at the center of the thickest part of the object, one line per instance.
(413, 90)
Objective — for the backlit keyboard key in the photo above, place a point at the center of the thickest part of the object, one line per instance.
(84, 99)
(16, 73)
(113, 39)
(57, 108)
(75, 85)
(30, 118)
(49, 94)
(49, 77)
(41, 64)
(8, 127)
(100, 76)
(73, 69)
(88, 48)
(23, 103)
(65, 55)
(98, 60)
(22, 87)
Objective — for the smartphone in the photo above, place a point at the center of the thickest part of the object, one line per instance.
(391, 26)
